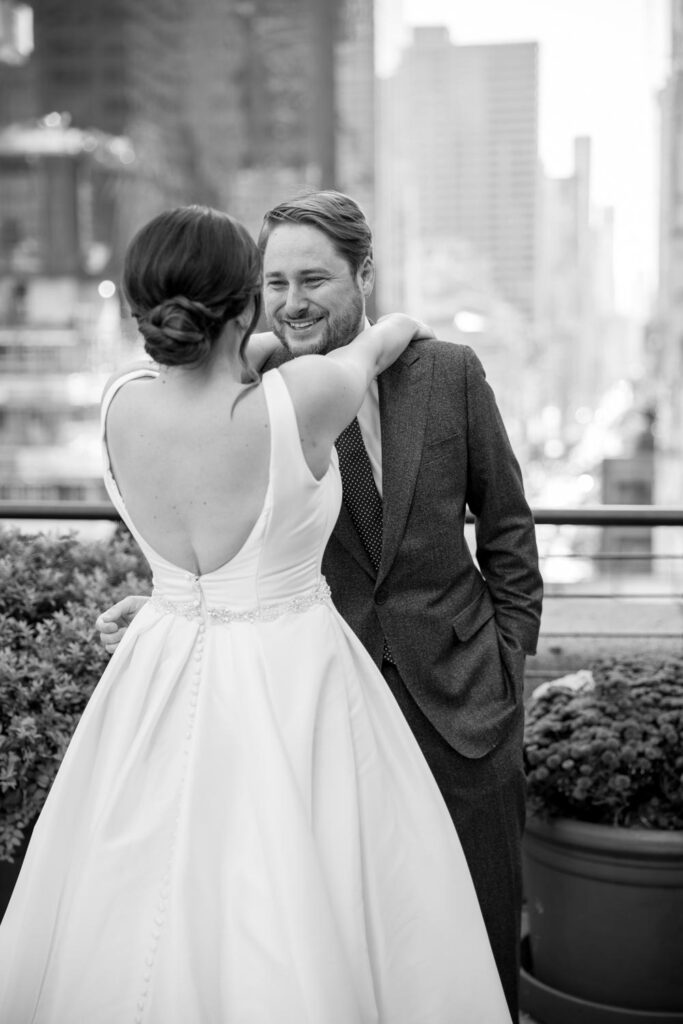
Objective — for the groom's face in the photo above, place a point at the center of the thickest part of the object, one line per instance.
(313, 301)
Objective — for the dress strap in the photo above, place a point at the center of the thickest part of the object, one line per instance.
(114, 386)
(109, 482)
(287, 458)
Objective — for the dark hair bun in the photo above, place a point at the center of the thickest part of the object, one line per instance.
(180, 331)
(187, 273)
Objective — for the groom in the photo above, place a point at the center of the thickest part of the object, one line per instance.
(449, 634)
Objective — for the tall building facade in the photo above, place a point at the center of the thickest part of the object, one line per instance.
(234, 103)
(665, 340)
(461, 156)
(119, 110)
(59, 326)
(581, 344)
(17, 70)
(308, 102)
(131, 70)
(457, 201)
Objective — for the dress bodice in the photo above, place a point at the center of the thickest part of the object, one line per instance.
(280, 560)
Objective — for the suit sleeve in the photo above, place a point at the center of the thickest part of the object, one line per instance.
(505, 533)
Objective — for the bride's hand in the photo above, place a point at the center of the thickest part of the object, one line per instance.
(261, 347)
(423, 331)
(112, 624)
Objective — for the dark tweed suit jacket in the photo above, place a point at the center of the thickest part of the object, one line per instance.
(458, 630)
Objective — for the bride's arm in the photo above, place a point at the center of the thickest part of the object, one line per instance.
(327, 391)
(261, 347)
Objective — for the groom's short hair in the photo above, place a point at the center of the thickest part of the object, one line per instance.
(335, 214)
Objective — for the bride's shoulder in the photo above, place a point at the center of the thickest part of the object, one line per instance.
(141, 369)
(118, 391)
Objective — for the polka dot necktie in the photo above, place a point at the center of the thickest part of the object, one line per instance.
(361, 496)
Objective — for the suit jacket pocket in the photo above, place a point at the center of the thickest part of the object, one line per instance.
(437, 450)
(475, 615)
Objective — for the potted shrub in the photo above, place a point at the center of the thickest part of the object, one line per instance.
(603, 851)
(51, 591)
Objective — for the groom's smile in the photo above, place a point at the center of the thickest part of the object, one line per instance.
(304, 325)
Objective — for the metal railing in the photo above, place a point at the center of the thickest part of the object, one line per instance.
(594, 515)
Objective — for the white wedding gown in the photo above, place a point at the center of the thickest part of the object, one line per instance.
(243, 829)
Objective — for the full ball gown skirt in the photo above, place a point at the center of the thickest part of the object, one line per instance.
(243, 829)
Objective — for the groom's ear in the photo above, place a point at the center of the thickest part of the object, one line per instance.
(366, 276)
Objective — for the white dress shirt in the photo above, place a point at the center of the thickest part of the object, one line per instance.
(368, 421)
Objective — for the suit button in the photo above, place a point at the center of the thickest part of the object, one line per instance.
(381, 595)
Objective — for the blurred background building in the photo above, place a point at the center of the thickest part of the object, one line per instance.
(664, 342)
(111, 111)
(463, 167)
(457, 212)
(60, 324)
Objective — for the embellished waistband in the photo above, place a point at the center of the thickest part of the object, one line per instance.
(194, 610)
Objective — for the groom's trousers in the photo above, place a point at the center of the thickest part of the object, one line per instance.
(486, 800)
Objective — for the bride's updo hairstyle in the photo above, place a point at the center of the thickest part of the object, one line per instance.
(185, 275)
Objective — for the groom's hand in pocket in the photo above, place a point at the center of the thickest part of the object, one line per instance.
(112, 624)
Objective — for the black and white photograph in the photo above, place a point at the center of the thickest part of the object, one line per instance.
(341, 512)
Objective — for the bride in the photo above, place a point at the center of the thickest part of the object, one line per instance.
(243, 829)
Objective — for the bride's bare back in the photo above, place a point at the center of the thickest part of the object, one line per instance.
(192, 463)
(192, 476)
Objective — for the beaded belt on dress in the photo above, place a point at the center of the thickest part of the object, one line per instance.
(262, 613)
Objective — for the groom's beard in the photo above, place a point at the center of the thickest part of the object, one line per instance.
(330, 333)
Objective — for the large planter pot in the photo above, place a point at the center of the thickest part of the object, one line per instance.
(605, 909)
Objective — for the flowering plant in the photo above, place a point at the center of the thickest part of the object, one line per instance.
(606, 745)
(51, 591)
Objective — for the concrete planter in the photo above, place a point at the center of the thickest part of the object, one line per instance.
(605, 912)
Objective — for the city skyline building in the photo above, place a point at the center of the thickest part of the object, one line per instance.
(119, 111)
(16, 32)
(59, 323)
(582, 345)
(456, 222)
(465, 167)
(236, 105)
(309, 103)
(665, 336)
(106, 68)
(56, 187)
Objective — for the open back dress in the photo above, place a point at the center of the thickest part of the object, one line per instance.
(243, 829)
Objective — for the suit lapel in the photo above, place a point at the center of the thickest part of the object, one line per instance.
(403, 402)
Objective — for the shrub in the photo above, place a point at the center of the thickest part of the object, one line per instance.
(610, 749)
(51, 591)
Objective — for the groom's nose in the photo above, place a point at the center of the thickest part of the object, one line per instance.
(296, 299)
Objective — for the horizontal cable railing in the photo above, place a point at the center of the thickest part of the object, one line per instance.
(594, 515)
(78, 511)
